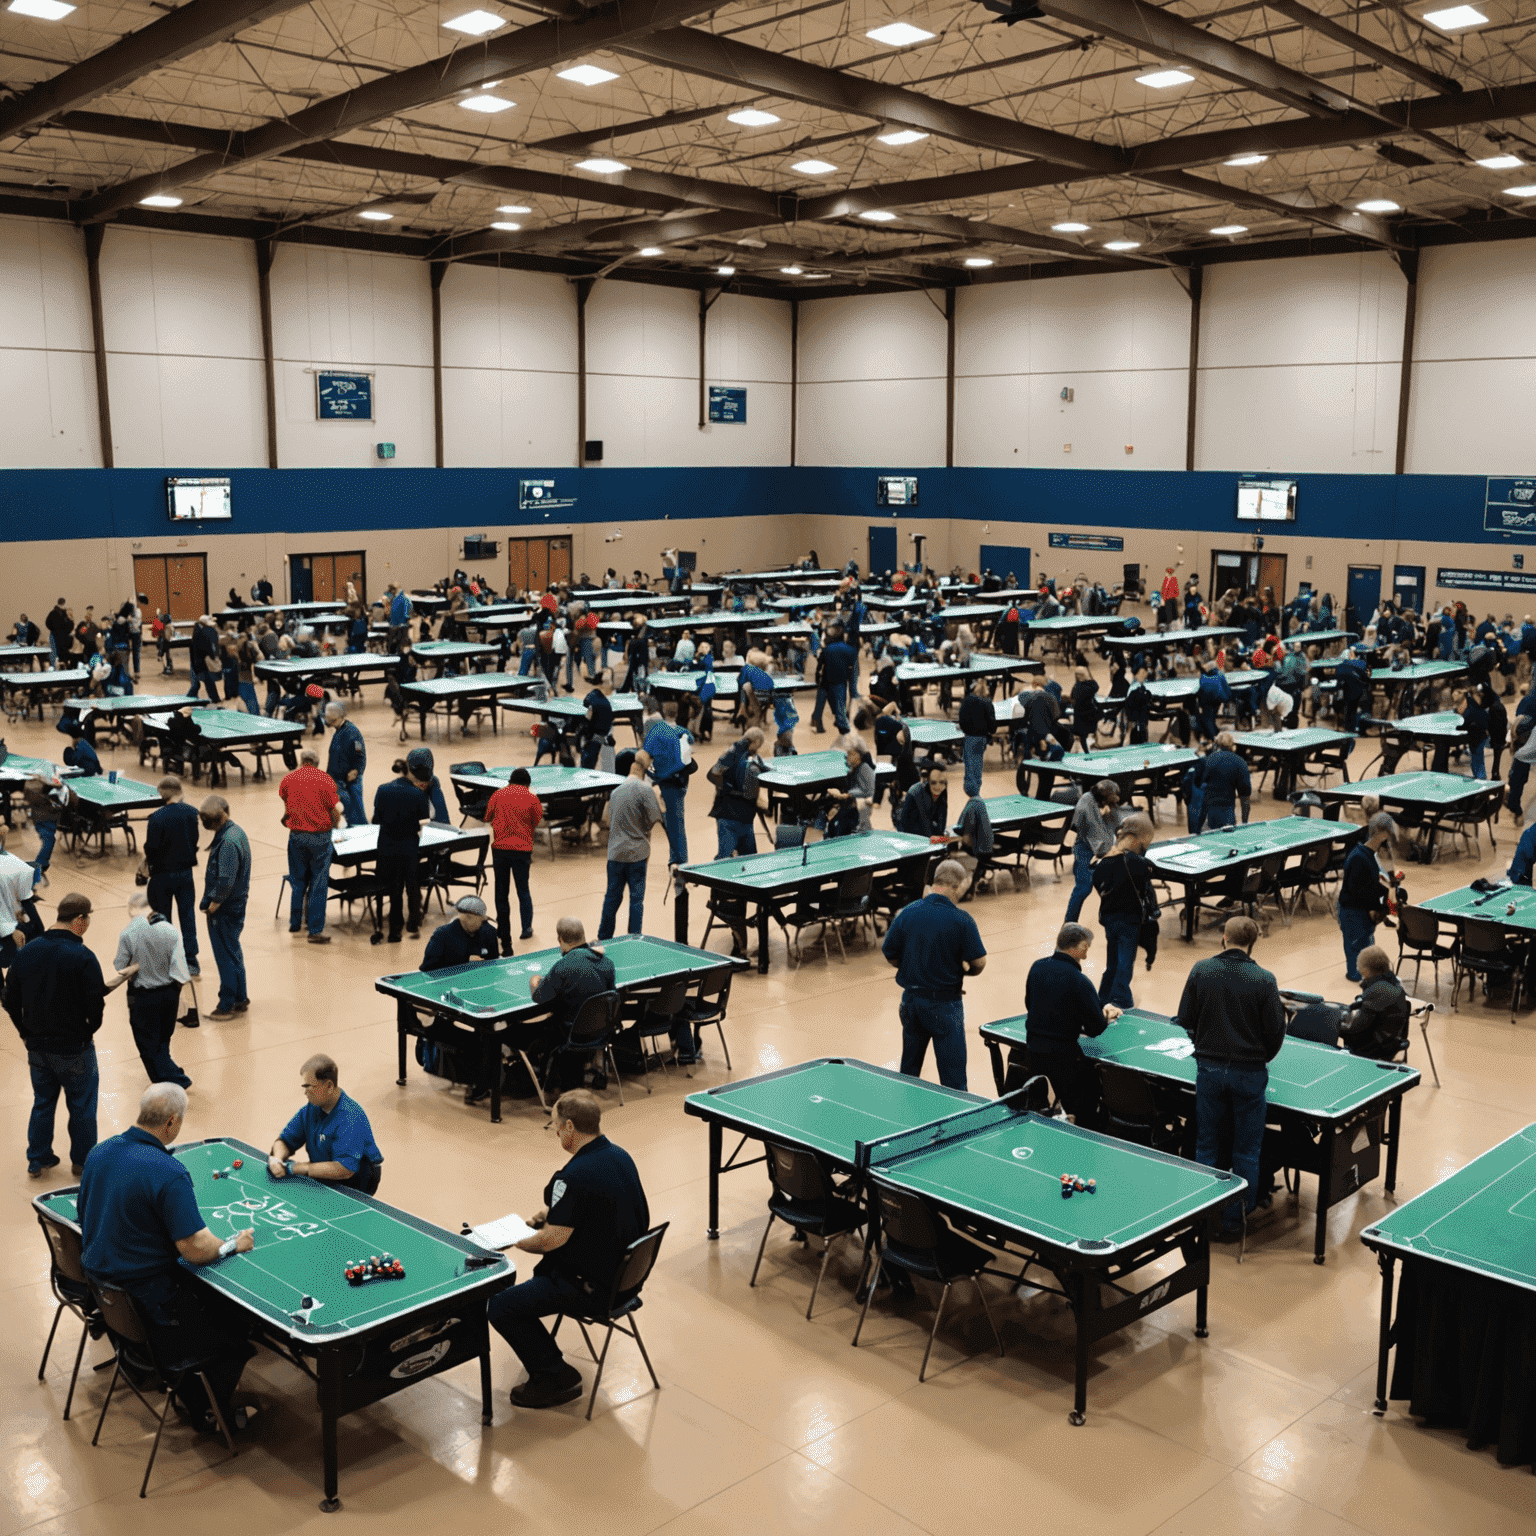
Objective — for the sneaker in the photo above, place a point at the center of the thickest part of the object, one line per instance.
(549, 1391)
(77, 1169)
(193, 971)
(242, 1007)
(296, 930)
(527, 933)
(37, 1170)
(319, 938)
(219, 1015)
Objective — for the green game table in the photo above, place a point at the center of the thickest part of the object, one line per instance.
(1168, 639)
(616, 631)
(1331, 1112)
(451, 653)
(1153, 768)
(1071, 629)
(22, 656)
(40, 687)
(131, 704)
(106, 798)
(487, 999)
(1469, 1272)
(1414, 791)
(487, 619)
(995, 669)
(727, 684)
(1166, 689)
(994, 1171)
(488, 690)
(571, 796)
(1017, 821)
(16, 769)
(360, 1344)
(793, 782)
(346, 668)
(639, 602)
(1489, 906)
(932, 733)
(772, 881)
(569, 709)
(1418, 672)
(774, 578)
(227, 731)
(1290, 751)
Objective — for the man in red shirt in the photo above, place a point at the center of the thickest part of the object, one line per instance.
(512, 814)
(312, 809)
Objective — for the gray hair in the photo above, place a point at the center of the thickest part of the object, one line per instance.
(160, 1103)
(951, 874)
(310, 756)
(1073, 934)
(472, 905)
(215, 803)
(335, 710)
(571, 930)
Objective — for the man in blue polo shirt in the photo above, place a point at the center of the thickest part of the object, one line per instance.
(835, 671)
(1226, 782)
(934, 947)
(333, 1129)
(139, 1219)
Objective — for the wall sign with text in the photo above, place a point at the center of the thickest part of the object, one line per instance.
(1486, 581)
(344, 396)
(539, 496)
(1509, 506)
(1102, 541)
(727, 403)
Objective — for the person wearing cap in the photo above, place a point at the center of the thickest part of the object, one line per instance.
(345, 763)
(80, 754)
(226, 888)
(424, 766)
(513, 813)
(311, 812)
(207, 666)
(467, 938)
(399, 808)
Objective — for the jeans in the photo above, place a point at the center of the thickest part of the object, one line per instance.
(400, 874)
(199, 679)
(620, 875)
(928, 1016)
(974, 750)
(512, 864)
(46, 832)
(1359, 932)
(672, 796)
(274, 699)
(152, 1017)
(309, 863)
(138, 646)
(1082, 878)
(351, 797)
(177, 888)
(1475, 752)
(1519, 775)
(224, 929)
(589, 660)
(1217, 815)
(248, 698)
(526, 660)
(733, 837)
(1120, 934)
(1229, 1122)
(837, 697)
(77, 1079)
(515, 1312)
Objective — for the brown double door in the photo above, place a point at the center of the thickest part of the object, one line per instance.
(534, 564)
(1248, 570)
(326, 576)
(173, 584)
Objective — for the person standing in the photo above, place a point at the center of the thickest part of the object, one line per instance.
(1094, 819)
(735, 809)
(398, 606)
(345, 762)
(18, 905)
(1231, 1010)
(44, 799)
(312, 811)
(61, 632)
(1224, 782)
(54, 994)
(977, 722)
(1061, 1006)
(136, 631)
(670, 748)
(399, 808)
(513, 812)
(834, 673)
(150, 950)
(1362, 892)
(596, 729)
(170, 856)
(633, 809)
(207, 665)
(1123, 879)
(226, 888)
(934, 947)
(333, 1128)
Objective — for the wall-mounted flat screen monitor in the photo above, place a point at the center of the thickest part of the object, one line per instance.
(1266, 501)
(197, 499)
(896, 491)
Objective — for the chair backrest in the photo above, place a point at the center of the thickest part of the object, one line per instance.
(1318, 1022)
(855, 886)
(798, 1174)
(1489, 939)
(1315, 862)
(668, 1000)
(64, 1245)
(595, 1018)
(466, 767)
(1051, 836)
(788, 835)
(906, 1218)
(636, 1264)
(1416, 926)
(1127, 1095)
(120, 1314)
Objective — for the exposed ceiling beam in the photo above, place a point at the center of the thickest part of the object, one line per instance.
(196, 25)
(566, 142)
(474, 64)
(1364, 226)
(980, 231)
(1325, 26)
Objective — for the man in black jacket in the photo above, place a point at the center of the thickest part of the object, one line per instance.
(61, 631)
(1062, 1005)
(207, 667)
(1378, 1023)
(1231, 1010)
(735, 807)
(1363, 893)
(978, 720)
(1226, 782)
(170, 856)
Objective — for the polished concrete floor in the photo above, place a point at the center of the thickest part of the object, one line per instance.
(764, 1422)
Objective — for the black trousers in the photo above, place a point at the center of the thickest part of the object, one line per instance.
(190, 1323)
(152, 1017)
(400, 874)
(1074, 1077)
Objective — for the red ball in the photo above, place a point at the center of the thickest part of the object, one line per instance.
(239, 1162)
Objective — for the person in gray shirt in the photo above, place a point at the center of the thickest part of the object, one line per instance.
(633, 809)
(152, 943)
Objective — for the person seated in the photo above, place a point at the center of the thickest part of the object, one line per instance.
(80, 753)
(850, 803)
(924, 812)
(1377, 1025)
(974, 829)
(594, 1208)
(333, 1129)
(466, 937)
(142, 1232)
(581, 972)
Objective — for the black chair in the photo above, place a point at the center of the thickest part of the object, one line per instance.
(72, 1291)
(472, 798)
(708, 1007)
(1312, 875)
(850, 901)
(805, 1198)
(1485, 951)
(914, 1237)
(591, 1031)
(136, 1365)
(1420, 938)
(445, 873)
(1316, 1021)
(662, 1012)
(1134, 1110)
(1049, 847)
(362, 885)
(621, 1302)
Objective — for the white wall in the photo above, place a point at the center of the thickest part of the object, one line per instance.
(1299, 365)
(1120, 343)
(1473, 397)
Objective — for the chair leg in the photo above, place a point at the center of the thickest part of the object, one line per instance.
(154, 1449)
(922, 1370)
(117, 1370)
(597, 1380)
(85, 1333)
(587, 1339)
(720, 1025)
(868, 1285)
(760, 1247)
(58, 1313)
(981, 1292)
(821, 1274)
(538, 1087)
(608, 1052)
(634, 1324)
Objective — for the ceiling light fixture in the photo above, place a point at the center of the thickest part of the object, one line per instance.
(1230, 229)
(1122, 245)
(486, 104)
(650, 250)
(41, 10)
(475, 23)
(878, 216)
(792, 271)
(602, 167)
(1500, 162)
(1161, 79)
(751, 117)
(1246, 160)
(377, 215)
(904, 136)
(1071, 227)
(160, 200)
(1378, 205)
(813, 167)
(725, 271)
(512, 208)
(1520, 191)
(978, 261)
(587, 74)
(899, 34)
(1455, 18)
(506, 226)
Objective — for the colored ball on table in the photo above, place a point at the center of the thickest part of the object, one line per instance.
(239, 1162)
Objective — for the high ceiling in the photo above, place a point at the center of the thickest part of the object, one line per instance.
(280, 117)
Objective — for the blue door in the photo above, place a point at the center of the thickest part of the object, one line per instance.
(1006, 560)
(1364, 594)
(1408, 587)
(882, 550)
(301, 579)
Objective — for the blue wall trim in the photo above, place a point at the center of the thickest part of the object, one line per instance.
(130, 503)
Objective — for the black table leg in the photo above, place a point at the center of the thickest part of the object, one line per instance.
(680, 913)
(330, 1503)
(1080, 1288)
(762, 938)
(999, 1072)
(486, 1410)
(1387, 1263)
(716, 1140)
(1394, 1131)
(1202, 1295)
(401, 1038)
(493, 1067)
(1324, 1197)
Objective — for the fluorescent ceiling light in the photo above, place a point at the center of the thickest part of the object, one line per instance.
(899, 34)
(1246, 160)
(650, 250)
(1071, 227)
(506, 226)
(978, 261)
(813, 167)
(1378, 205)
(160, 200)
(905, 136)
(512, 208)
(1508, 192)
(725, 271)
(587, 74)
(1454, 18)
(486, 104)
(817, 275)
(601, 167)
(1230, 229)
(1500, 162)
(42, 10)
(376, 214)
(1161, 79)
(1122, 245)
(878, 216)
(476, 23)
(792, 271)
(751, 117)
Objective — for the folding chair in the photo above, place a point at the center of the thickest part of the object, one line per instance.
(445, 873)
(1420, 938)
(591, 1031)
(805, 1198)
(72, 1291)
(1486, 950)
(662, 1012)
(709, 1005)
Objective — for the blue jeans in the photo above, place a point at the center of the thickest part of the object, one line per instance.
(199, 679)
(512, 864)
(309, 863)
(1120, 935)
(1229, 1122)
(837, 697)
(974, 750)
(76, 1078)
(620, 876)
(351, 797)
(1359, 932)
(672, 796)
(527, 660)
(1479, 767)
(926, 1016)
(733, 837)
(46, 832)
(1082, 877)
(588, 656)
(178, 889)
(224, 928)
(248, 698)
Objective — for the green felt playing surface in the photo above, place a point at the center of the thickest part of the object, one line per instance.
(1321, 637)
(131, 704)
(1417, 672)
(568, 708)
(1442, 722)
(126, 794)
(1071, 624)
(1007, 1168)
(60, 679)
(234, 725)
(1491, 907)
(16, 767)
(544, 780)
(1482, 1218)
(680, 621)
(1285, 834)
(931, 733)
(451, 650)
(1173, 636)
(981, 666)
(966, 613)
(1308, 1078)
(806, 768)
(829, 1105)
(472, 683)
(305, 1234)
(1188, 687)
(822, 860)
(1123, 760)
(1308, 739)
(297, 666)
(1007, 810)
(1414, 788)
